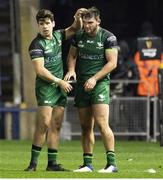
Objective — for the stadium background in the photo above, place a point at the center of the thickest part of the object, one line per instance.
(18, 27)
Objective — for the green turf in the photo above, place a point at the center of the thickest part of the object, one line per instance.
(133, 159)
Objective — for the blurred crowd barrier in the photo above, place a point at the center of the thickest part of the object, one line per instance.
(130, 116)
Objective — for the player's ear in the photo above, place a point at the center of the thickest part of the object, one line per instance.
(99, 21)
(53, 23)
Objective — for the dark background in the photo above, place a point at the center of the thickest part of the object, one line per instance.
(122, 17)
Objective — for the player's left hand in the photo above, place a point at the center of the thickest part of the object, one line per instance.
(78, 16)
(79, 13)
(90, 84)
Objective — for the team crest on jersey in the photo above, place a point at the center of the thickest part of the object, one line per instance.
(80, 44)
(99, 45)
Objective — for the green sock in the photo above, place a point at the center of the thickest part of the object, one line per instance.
(35, 152)
(52, 156)
(110, 155)
(87, 158)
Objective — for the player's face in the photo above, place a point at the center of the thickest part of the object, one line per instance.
(90, 25)
(46, 27)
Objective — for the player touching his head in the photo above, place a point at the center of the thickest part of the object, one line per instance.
(94, 50)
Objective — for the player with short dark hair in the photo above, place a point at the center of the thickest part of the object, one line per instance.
(94, 50)
(51, 91)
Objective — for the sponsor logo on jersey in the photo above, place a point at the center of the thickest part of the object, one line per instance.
(47, 102)
(35, 52)
(91, 57)
(54, 58)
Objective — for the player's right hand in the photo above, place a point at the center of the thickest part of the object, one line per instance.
(70, 75)
(65, 86)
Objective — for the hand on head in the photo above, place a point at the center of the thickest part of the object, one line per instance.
(79, 13)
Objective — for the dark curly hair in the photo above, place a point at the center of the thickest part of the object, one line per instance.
(92, 12)
(44, 13)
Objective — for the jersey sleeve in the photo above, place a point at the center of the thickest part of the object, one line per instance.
(35, 50)
(110, 42)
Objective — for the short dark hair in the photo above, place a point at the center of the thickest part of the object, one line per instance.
(44, 13)
(92, 12)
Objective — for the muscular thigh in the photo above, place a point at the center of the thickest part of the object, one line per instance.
(44, 114)
(57, 115)
(101, 113)
(86, 117)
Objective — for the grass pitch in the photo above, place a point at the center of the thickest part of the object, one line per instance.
(134, 159)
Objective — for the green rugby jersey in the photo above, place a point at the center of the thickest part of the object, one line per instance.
(91, 52)
(51, 50)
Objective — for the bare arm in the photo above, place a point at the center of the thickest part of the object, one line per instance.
(71, 62)
(111, 57)
(42, 72)
(77, 24)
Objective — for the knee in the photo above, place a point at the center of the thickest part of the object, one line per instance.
(46, 124)
(103, 125)
(57, 126)
(102, 129)
(105, 130)
(43, 123)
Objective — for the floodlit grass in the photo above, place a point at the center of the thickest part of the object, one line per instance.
(134, 159)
